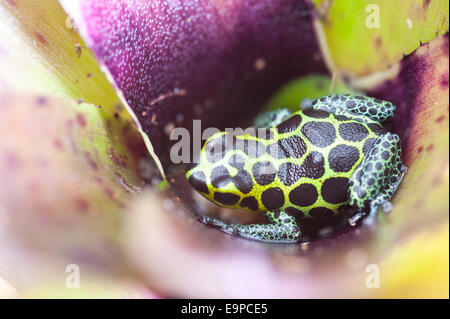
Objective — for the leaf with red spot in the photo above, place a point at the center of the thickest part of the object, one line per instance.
(54, 171)
(41, 52)
(366, 37)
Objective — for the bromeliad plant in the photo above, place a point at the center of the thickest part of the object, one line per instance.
(77, 177)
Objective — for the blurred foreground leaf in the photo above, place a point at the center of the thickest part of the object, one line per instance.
(67, 171)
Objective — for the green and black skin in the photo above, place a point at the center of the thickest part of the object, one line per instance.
(314, 163)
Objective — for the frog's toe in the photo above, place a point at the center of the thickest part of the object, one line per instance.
(210, 221)
(352, 221)
(387, 207)
(370, 220)
(271, 118)
(306, 104)
(382, 201)
(230, 230)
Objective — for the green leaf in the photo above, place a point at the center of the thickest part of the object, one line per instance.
(38, 54)
(368, 36)
(310, 86)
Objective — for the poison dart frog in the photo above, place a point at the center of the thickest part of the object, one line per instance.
(314, 163)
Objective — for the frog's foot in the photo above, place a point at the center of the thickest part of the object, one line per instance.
(363, 108)
(271, 118)
(381, 201)
(375, 181)
(283, 228)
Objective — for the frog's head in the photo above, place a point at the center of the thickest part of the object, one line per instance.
(223, 173)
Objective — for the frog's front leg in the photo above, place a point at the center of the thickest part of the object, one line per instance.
(363, 108)
(283, 228)
(375, 181)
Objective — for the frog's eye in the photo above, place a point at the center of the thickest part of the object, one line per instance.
(306, 104)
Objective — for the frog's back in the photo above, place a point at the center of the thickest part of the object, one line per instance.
(321, 152)
(303, 166)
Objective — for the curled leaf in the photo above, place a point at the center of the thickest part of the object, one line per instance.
(197, 59)
(364, 37)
